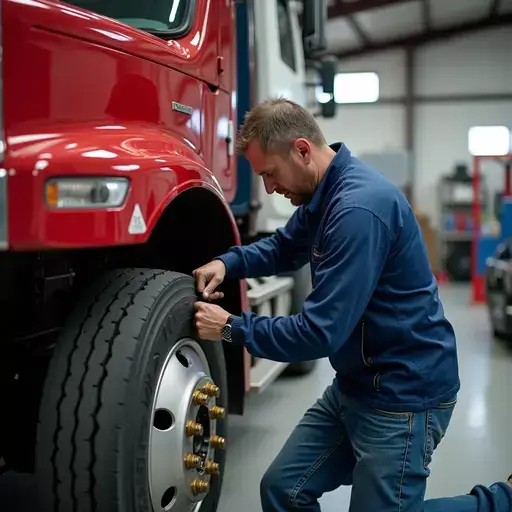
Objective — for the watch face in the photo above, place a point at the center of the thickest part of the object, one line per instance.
(226, 332)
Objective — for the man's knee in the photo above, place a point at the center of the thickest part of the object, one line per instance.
(273, 487)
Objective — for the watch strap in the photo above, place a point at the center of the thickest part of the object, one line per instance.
(226, 329)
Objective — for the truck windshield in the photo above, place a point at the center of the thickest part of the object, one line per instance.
(159, 16)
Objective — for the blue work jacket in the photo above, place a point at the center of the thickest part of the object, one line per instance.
(374, 309)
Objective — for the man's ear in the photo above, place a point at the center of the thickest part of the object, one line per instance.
(303, 147)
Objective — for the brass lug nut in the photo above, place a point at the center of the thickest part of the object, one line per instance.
(211, 389)
(192, 461)
(217, 442)
(194, 429)
(211, 468)
(199, 398)
(217, 412)
(199, 487)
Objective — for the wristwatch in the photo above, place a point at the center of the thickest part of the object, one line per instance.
(226, 329)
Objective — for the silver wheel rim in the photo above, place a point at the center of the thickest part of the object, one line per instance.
(173, 485)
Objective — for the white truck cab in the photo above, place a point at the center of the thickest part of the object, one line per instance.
(280, 71)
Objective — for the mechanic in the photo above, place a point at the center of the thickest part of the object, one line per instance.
(374, 310)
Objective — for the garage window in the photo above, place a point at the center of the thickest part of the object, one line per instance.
(171, 18)
(353, 88)
(489, 140)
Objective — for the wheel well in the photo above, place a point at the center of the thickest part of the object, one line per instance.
(201, 230)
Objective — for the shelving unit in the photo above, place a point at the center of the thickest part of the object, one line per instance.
(455, 203)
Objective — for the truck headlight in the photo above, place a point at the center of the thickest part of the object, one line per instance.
(61, 193)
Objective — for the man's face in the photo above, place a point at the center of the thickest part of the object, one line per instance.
(286, 174)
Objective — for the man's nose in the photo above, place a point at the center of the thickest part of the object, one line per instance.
(270, 187)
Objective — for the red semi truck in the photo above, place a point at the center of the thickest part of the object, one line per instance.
(117, 177)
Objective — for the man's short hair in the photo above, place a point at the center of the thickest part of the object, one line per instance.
(275, 124)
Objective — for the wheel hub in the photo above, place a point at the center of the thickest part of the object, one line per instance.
(183, 437)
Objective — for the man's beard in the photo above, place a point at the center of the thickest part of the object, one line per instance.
(300, 199)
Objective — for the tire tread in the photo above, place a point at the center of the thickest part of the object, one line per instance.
(82, 396)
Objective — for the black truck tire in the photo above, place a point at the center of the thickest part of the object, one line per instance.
(301, 290)
(301, 368)
(123, 384)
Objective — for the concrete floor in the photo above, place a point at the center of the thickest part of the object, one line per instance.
(476, 449)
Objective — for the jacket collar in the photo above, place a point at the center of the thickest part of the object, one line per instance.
(336, 167)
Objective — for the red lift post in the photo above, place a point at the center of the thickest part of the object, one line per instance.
(482, 246)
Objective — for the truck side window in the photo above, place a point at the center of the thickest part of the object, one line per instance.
(286, 34)
(162, 17)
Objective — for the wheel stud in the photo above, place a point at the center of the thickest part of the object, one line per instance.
(199, 487)
(217, 442)
(194, 429)
(192, 461)
(211, 468)
(199, 398)
(211, 389)
(217, 412)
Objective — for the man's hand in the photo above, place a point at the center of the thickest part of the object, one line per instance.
(208, 277)
(210, 319)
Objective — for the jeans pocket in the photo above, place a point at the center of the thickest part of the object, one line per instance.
(437, 421)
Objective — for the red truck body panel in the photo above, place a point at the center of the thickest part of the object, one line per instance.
(86, 95)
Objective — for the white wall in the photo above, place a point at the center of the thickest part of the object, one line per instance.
(372, 127)
(368, 128)
(475, 64)
(479, 63)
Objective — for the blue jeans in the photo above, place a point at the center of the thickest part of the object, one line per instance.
(384, 455)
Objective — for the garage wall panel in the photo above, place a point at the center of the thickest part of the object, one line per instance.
(368, 128)
(476, 64)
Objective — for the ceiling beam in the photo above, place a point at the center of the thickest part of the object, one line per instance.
(360, 32)
(347, 9)
(429, 37)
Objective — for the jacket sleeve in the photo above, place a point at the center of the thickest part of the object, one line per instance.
(354, 251)
(286, 250)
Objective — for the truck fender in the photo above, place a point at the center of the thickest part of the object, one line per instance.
(158, 165)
